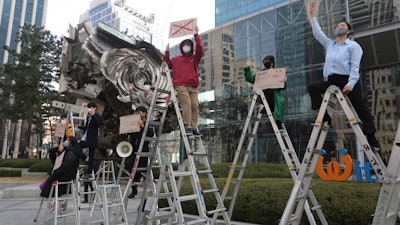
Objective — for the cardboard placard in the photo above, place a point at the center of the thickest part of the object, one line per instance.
(129, 124)
(60, 130)
(182, 28)
(270, 79)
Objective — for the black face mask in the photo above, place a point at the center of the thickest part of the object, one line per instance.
(267, 65)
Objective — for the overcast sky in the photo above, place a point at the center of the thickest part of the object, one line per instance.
(60, 13)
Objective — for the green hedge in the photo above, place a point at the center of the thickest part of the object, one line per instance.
(10, 173)
(42, 166)
(262, 201)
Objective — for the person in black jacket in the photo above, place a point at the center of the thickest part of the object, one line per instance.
(135, 139)
(65, 167)
(90, 138)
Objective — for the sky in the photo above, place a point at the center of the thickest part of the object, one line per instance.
(61, 13)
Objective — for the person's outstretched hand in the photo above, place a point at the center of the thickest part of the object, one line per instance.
(311, 9)
(249, 62)
(167, 48)
(196, 28)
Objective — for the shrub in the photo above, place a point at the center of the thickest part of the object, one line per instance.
(24, 163)
(42, 166)
(10, 173)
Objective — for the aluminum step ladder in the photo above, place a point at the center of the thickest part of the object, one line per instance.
(301, 190)
(108, 197)
(387, 209)
(249, 133)
(150, 189)
(59, 205)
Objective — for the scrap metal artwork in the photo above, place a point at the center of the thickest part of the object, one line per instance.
(99, 64)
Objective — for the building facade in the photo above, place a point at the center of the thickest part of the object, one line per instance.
(14, 14)
(124, 18)
(282, 29)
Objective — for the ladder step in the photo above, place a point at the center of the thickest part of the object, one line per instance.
(212, 212)
(163, 215)
(166, 195)
(237, 167)
(204, 171)
(199, 153)
(159, 108)
(188, 198)
(163, 91)
(250, 135)
(155, 123)
(183, 174)
(210, 190)
(199, 221)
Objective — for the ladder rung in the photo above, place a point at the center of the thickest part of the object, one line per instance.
(146, 154)
(188, 198)
(228, 198)
(155, 123)
(78, 118)
(204, 171)
(163, 91)
(196, 221)
(316, 207)
(163, 215)
(114, 205)
(212, 212)
(199, 153)
(237, 167)
(150, 139)
(183, 174)
(210, 190)
(254, 118)
(250, 135)
(166, 195)
(159, 107)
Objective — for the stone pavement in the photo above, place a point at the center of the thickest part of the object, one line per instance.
(19, 204)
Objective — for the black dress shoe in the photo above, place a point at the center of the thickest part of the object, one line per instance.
(84, 201)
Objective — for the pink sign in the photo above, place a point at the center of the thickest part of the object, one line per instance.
(182, 28)
(272, 79)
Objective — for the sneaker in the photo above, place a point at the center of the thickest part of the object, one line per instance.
(197, 133)
(189, 131)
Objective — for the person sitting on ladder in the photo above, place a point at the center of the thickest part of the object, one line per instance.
(275, 99)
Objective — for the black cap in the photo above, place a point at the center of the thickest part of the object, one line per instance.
(147, 82)
(141, 108)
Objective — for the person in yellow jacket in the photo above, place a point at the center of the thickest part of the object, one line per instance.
(275, 99)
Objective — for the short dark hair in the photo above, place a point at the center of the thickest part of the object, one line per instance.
(147, 82)
(91, 105)
(141, 109)
(269, 58)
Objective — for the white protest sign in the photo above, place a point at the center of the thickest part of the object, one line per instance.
(129, 124)
(271, 78)
(182, 28)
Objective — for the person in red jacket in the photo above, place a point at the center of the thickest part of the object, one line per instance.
(186, 80)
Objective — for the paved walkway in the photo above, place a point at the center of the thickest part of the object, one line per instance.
(19, 204)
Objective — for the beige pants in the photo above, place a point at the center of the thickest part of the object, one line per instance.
(188, 98)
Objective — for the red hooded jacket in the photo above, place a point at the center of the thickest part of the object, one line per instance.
(185, 66)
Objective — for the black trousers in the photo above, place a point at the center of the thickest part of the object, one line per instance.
(317, 89)
(269, 95)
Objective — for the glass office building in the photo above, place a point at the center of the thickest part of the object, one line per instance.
(124, 18)
(16, 13)
(283, 30)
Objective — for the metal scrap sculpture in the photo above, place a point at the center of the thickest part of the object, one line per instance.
(99, 64)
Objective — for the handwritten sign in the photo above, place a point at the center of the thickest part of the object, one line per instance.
(129, 124)
(60, 130)
(272, 79)
(182, 28)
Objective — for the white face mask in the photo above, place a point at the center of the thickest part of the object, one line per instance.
(63, 121)
(89, 110)
(186, 49)
(66, 143)
(146, 87)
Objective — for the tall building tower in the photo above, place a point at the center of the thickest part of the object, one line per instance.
(125, 19)
(16, 13)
